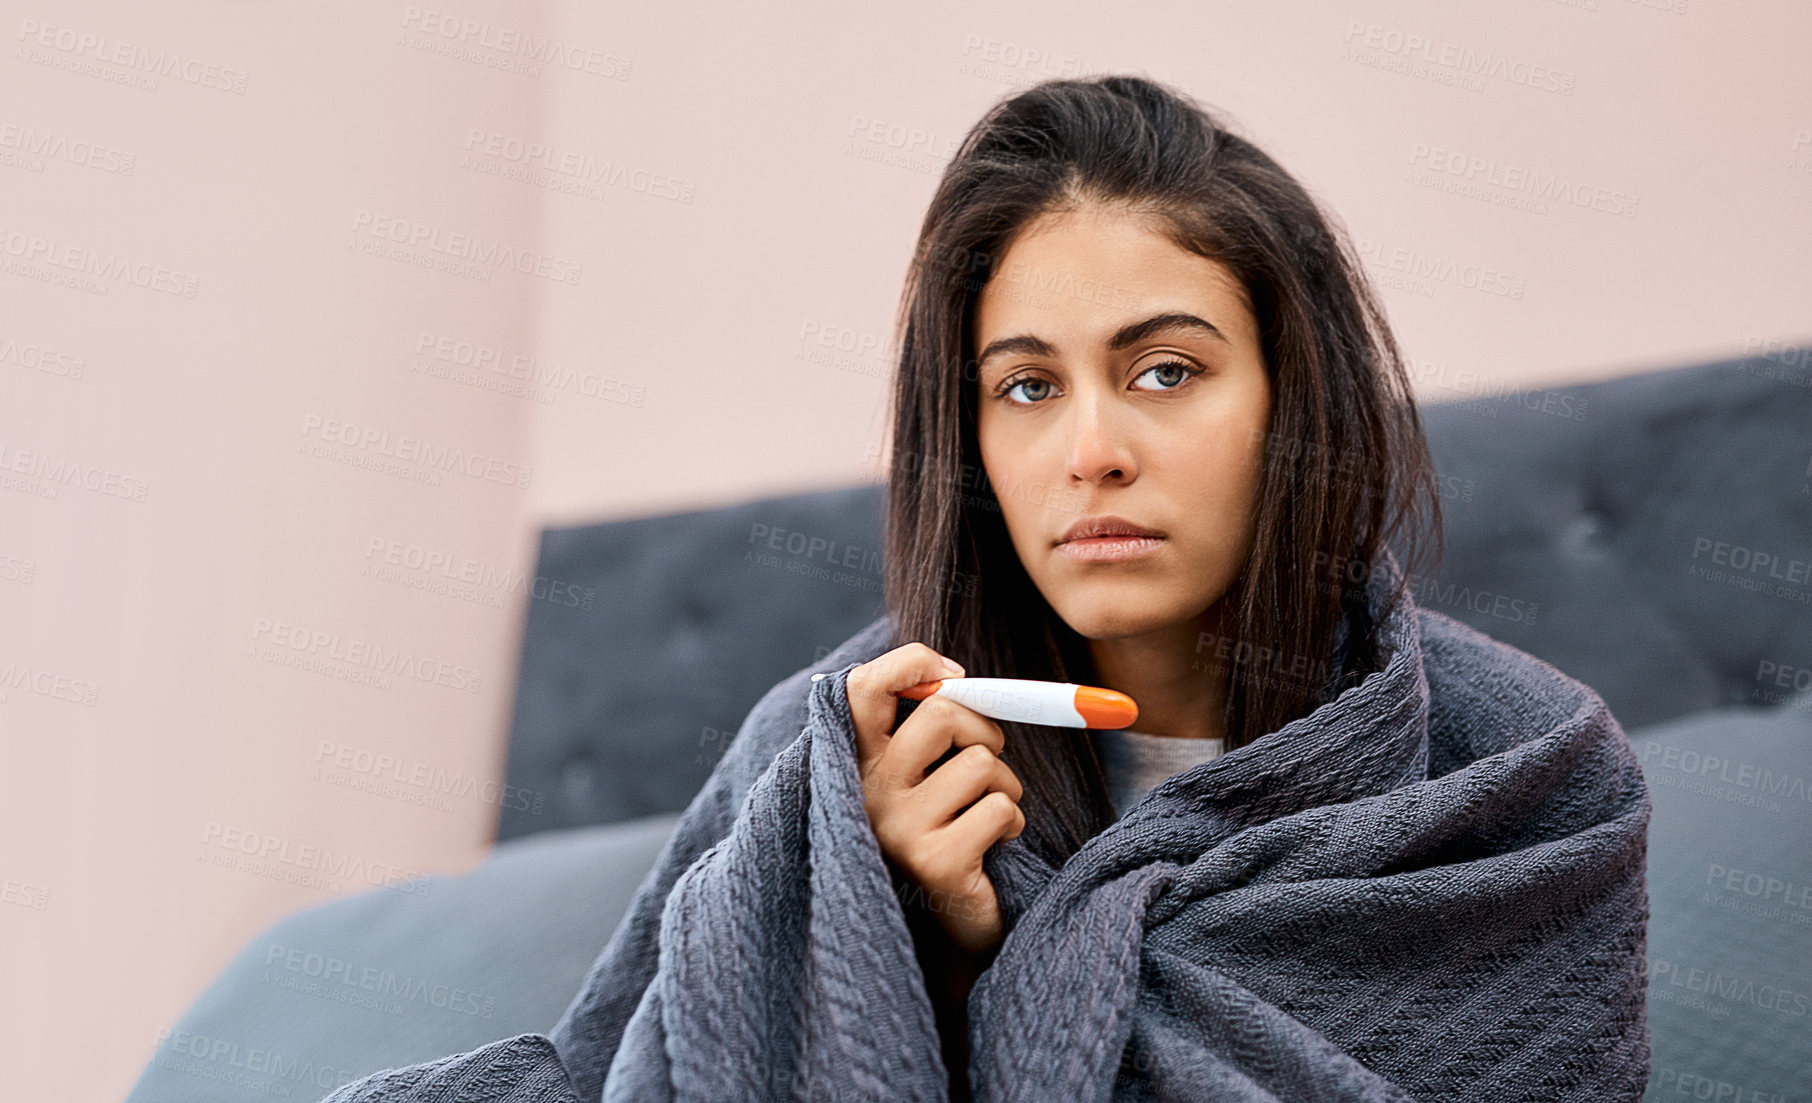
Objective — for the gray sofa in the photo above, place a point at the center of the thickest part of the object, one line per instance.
(1649, 535)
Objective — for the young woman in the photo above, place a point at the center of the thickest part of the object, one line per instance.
(1151, 432)
(1191, 434)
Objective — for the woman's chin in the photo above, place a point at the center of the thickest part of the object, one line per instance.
(1113, 611)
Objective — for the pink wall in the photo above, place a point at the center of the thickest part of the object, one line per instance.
(224, 446)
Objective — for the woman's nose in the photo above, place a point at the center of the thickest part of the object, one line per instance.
(1098, 446)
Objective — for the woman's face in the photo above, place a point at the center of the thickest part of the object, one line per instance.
(1088, 407)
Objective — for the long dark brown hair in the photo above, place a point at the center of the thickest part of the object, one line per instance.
(1344, 464)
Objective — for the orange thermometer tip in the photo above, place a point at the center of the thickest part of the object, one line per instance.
(1106, 708)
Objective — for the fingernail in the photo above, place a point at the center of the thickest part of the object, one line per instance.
(954, 667)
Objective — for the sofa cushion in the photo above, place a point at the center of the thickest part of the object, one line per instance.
(407, 973)
(1730, 902)
(391, 978)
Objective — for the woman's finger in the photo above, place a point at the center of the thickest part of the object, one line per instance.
(994, 817)
(937, 725)
(970, 775)
(874, 689)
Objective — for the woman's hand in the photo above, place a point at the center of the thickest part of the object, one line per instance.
(935, 828)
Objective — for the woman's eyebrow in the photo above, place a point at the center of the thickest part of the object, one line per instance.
(1172, 321)
(1132, 333)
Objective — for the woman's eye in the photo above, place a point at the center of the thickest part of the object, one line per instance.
(1031, 390)
(1015, 385)
(1173, 373)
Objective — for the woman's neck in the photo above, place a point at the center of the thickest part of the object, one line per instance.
(1174, 674)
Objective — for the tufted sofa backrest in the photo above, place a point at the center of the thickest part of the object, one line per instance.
(1650, 535)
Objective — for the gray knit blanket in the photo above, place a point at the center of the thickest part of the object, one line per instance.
(1429, 888)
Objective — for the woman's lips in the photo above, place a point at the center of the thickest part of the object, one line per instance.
(1109, 549)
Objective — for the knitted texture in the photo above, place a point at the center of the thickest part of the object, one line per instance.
(1430, 887)
(1133, 762)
